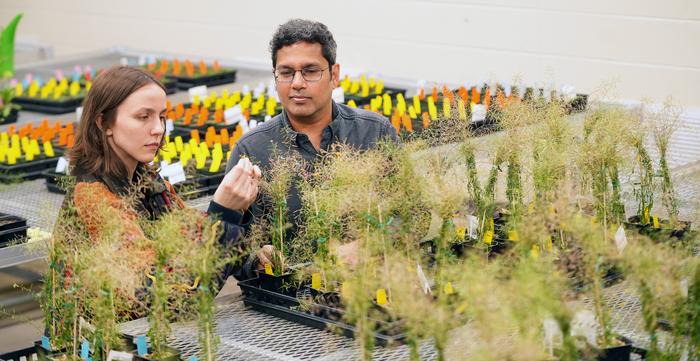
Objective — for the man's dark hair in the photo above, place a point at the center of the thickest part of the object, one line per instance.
(296, 30)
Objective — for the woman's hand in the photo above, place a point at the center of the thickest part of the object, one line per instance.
(239, 188)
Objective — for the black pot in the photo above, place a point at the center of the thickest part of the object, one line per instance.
(11, 118)
(281, 284)
(617, 353)
(173, 355)
(12, 229)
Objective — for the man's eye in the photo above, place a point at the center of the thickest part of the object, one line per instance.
(286, 73)
(311, 71)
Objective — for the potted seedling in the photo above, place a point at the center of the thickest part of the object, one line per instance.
(8, 110)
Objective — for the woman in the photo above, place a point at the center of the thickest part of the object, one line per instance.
(121, 129)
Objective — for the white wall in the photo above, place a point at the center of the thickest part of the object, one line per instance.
(650, 48)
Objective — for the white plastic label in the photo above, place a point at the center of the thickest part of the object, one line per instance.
(272, 91)
(142, 60)
(78, 113)
(260, 89)
(473, 226)
(568, 92)
(174, 172)
(119, 356)
(478, 113)
(553, 336)
(268, 117)
(245, 90)
(200, 91)
(620, 239)
(124, 61)
(252, 124)
(338, 95)
(61, 165)
(233, 115)
(169, 126)
(584, 324)
(684, 287)
(423, 279)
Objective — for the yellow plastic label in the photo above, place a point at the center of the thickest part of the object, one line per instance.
(381, 297)
(416, 104)
(380, 87)
(448, 288)
(48, 149)
(461, 232)
(535, 251)
(18, 90)
(513, 236)
(215, 165)
(488, 237)
(386, 103)
(655, 219)
(646, 215)
(432, 109)
(178, 144)
(316, 281)
(446, 108)
(352, 104)
(268, 269)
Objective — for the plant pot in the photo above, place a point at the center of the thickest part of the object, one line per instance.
(279, 284)
(53, 183)
(616, 353)
(172, 355)
(11, 118)
(47, 355)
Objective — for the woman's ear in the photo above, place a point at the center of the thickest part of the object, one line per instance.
(100, 123)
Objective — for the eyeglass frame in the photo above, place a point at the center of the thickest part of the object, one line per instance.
(302, 75)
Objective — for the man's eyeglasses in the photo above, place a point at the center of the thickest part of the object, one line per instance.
(286, 75)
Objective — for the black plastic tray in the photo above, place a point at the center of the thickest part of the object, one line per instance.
(27, 170)
(49, 106)
(13, 229)
(286, 307)
(224, 77)
(16, 355)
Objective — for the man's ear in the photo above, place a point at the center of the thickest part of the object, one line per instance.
(335, 75)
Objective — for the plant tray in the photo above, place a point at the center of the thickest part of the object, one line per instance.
(223, 77)
(52, 181)
(24, 354)
(311, 313)
(360, 100)
(13, 229)
(27, 170)
(50, 106)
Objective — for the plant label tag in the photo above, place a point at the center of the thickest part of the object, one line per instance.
(123, 61)
(478, 113)
(120, 356)
(233, 115)
(316, 281)
(259, 90)
(61, 165)
(338, 95)
(45, 343)
(169, 126)
(381, 297)
(142, 60)
(141, 346)
(252, 124)
(552, 334)
(620, 239)
(655, 220)
(78, 113)
(448, 288)
(198, 91)
(684, 287)
(423, 279)
(268, 269)
(84, 350)
(473, 226)
(568, 92)
(268, 117)
(177, 173)
(245, 89)
(192, 358)
(584, 324)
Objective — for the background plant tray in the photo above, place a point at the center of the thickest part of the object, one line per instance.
(11, 118)
(27, 353)
(287, 307)
(224, 77)
(360, 100)
(52, 181)
(27, 170)
(49, 106)
(13, 229)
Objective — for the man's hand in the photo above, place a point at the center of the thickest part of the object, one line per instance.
(265, 255)
(239, 188)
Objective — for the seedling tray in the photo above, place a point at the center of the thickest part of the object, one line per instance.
(27, 170)
(52, 181)
(13, 229)
(25, 354)
(50, 106)
(360, 100)
(223, 77)
(291, 309)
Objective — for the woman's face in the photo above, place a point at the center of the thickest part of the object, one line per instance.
(139, 126)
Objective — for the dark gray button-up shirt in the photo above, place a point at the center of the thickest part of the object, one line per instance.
(358, 128)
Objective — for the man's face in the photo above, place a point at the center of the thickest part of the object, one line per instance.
(305, 100)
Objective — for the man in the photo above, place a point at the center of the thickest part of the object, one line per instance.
(305, 71)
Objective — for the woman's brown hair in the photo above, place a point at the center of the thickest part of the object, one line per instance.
(91, 153)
